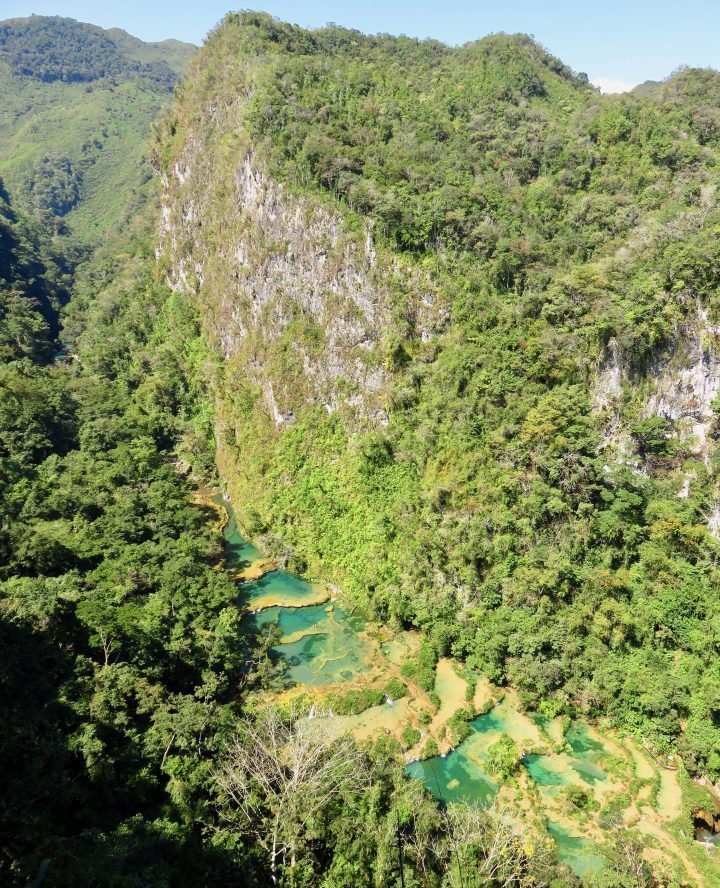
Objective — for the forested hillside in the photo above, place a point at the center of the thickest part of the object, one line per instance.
(534, 270)
(442, 323)
(76, 107)
(125, 670)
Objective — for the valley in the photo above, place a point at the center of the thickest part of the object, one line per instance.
(579, 782)
(359, 494)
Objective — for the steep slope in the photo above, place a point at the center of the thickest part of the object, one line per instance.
(76, 106)
(450, 288)
(33, 286)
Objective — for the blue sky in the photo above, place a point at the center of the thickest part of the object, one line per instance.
(621, 40)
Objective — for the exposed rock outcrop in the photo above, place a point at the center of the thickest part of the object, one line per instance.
(682, 385)
(688, 382)
(290, 290)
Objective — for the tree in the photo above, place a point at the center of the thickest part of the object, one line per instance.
(652, 435)
(496, 845)
(279, 773)
(504, 756)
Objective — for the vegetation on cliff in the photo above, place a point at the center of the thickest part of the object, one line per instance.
(493, 510)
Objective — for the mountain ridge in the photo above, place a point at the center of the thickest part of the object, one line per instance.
(443, 326)
(74, 126)
(558, 237)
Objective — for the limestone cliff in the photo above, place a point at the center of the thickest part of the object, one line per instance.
(291, 291)
(680, 385)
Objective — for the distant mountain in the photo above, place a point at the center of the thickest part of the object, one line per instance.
(647, 88)
(174, 53)
(54, 48)
(76, 107)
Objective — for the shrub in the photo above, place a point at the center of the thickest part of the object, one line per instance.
(410, 736)
(430, 749)
(356, 701)
(396, 689)
(504, 757)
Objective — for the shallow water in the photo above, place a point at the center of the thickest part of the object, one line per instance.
(583, 743)
(291, 620)
(560, 769)
(708, 838)
(322, 645)
(462, 775)
(455, 778)
(278, 588)
(577, 852)
(238, 551)
(450, 688)
(505, 718)
(333, 654)
(377, 720)
(669, 797)
(550, 726)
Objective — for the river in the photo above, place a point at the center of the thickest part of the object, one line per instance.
(323, 648)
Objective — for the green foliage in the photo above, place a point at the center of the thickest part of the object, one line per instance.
(76, 106)
(409, 669)
(427, 661)
(54, 48)
(577, 796)
(554, 229)
(410, 736)
(33, 282)
(503, 757)
(355, 701)
(395, 689)
(652, 435)
(122, 644)
(550, 227)
(458, 726)
(55, 185)
(430, 749)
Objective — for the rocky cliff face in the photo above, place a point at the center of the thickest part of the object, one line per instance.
(681, 386)
(688, 381)
(283, 266)
(291, 292)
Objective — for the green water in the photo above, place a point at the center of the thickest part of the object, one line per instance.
(455, 777)
(562, 770)
(544, 770)
(461, 776)
(239, 553)
(324, 646)
(463, 767)
(582, 743)
(552, 770)
(577, 852)
(291, 619)
(329, 649)
(275, 582)
(318, 660)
